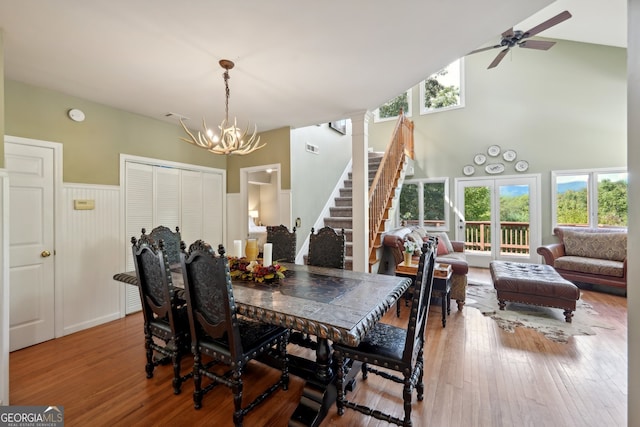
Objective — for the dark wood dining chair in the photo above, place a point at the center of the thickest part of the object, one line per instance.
(327, 248)
(165, 315)
(393, 348)
(219, 333)
(171, 242)
(283, 241)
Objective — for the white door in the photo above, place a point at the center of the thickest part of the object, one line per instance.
(498, 219)
(31, 269)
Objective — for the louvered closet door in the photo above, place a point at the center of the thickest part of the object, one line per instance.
(213, 195)
(169, 196)
(139, 214)
(192, 212)
(166, 183)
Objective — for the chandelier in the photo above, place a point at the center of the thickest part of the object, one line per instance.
(230, 139)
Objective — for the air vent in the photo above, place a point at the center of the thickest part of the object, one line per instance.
(176, 115)
(313, 148)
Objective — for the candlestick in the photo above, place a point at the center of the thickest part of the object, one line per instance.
(267, 253)
(237, 248)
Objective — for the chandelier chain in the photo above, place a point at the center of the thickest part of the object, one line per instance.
(227, 93)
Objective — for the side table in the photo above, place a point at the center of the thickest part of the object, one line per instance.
(441, 288)
(410, 271)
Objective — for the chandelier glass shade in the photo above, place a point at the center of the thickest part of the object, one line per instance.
(230, 139)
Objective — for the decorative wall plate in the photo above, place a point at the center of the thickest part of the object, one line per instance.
(521, 166)
(479, 159)
(494, 168)
(493, 150)
(509, 155)
(468, 170)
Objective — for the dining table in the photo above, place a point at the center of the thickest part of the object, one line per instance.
(333, 305)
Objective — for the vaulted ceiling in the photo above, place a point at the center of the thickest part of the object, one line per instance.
(298, 63)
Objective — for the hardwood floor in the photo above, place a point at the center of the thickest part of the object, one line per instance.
(476, 374)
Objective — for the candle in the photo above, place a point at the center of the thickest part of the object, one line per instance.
(237, 248)
(267, 253)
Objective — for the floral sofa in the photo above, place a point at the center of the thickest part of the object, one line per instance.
(589, 255)
(449, 252)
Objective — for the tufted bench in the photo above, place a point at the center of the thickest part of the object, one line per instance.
(534, 284)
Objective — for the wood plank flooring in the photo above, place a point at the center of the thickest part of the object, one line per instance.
(475, 375)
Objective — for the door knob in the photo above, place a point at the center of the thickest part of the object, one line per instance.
(45, 254)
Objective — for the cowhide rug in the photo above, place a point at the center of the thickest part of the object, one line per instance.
(547, 321)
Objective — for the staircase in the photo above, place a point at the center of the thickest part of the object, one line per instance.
(341, 215)
(386, 171)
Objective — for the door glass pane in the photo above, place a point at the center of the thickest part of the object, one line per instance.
(434, 204)
(477, 214)
(409, 204)
(612, 200)
(572, 200)
(514, 220)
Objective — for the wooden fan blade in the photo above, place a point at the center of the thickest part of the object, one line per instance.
(508, 34)
(498, 58)
(562, 16)
(536, 44)
(484, 49)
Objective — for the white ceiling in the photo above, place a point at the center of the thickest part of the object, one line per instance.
(298, 63)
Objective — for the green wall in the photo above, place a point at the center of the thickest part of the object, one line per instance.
(560, 109)
(277, 151)
(91, 149)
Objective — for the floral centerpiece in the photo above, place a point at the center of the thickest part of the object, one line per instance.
(243, 269)
(409, 248)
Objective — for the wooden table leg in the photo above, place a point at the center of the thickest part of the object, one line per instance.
(319, 392)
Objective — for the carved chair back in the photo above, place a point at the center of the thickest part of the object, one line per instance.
(327, 248)
(284, 242)
(421, 297)
(171, 242)
(210, 304)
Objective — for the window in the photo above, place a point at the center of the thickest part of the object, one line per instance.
(590, 199)
(391, 110)
(443, 90)
(425, 202)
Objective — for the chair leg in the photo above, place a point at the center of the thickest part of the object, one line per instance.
(197, 381)
(177, 379)
(406, 395)
(150, 365)
(237, 397)
(285, 364)
(365, 371)
(420, 384)
(340, 382)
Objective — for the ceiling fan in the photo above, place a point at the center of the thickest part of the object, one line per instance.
(511, 38)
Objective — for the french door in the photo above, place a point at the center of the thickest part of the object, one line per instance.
(498, 218)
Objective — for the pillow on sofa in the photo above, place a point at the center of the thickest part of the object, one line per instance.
(611, 246)
(421, 231)
(443, 237)
(442, 247)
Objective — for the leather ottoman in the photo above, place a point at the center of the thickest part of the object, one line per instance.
(534, 284)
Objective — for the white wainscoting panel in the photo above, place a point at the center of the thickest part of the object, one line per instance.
(92, 255)
(4, 288)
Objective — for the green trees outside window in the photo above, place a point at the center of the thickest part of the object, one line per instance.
(423, 202)
(593, 199)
